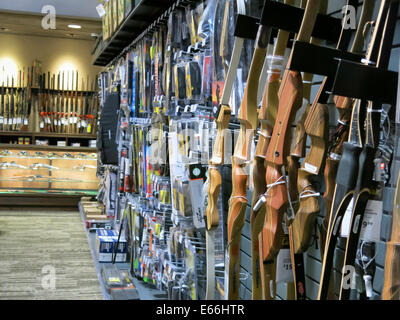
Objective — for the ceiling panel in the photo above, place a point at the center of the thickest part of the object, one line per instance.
(31, 24)
(77, 8)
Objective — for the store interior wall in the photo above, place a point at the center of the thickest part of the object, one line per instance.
(56, 55)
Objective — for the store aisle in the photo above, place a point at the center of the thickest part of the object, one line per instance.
(44, 254)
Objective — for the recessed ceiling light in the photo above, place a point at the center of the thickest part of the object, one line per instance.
(74, 26)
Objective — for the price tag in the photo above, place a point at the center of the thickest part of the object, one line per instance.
(226, 273)
(345, 228)
(310, 168)
(284, 271)
(371, 224)
(89, 128)
(100, 10)
(19, 120)
(41, 125)
(25, 122)
(1, 120)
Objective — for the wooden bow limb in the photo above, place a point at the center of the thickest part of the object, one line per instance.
(344, 107)
(355, 168)
(217, 159)
(266, 116)
(290, 100)
(391, 286)
(240, 160)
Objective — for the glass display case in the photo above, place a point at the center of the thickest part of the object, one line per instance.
(34, 169)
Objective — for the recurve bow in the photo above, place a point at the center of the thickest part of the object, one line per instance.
(348, 169)
(266, 117)
(223, 116)
(240, 160)
(276, 196)
(344, 107)
(391, 286)
(316, 127)
(365, 186)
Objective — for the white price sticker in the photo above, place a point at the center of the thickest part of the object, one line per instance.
(284, 271)
(344, 231)
(371, 225)
(100, 10)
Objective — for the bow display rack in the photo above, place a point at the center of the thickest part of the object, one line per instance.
(248, 150)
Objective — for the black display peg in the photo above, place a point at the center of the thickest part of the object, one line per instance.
(366, 82)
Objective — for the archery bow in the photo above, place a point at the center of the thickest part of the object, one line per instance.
(348, 167)
(365, 186)
(240, 160)
(217, 159)
(316, 126)
(266, 117)
(391, 289)
(276, 196)
(344, 107)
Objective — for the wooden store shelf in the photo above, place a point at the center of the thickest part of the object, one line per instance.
(45, 148)
(40, 199)
(46, 134)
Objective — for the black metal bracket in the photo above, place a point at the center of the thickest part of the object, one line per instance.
(360, 81)
(326, 27)
(246, 27)
(319, 60)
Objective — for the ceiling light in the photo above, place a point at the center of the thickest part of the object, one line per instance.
(74, 26)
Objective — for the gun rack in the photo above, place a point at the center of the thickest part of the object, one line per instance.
(37, 89)
(361, 81)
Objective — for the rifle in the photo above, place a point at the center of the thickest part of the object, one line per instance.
(276, 196)
(2, 103)
(7, 108)
(240, 160)
(68, 106)
(266, 117)
(75, 109)
(60, 99)
(223, 116)
(351, 164)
